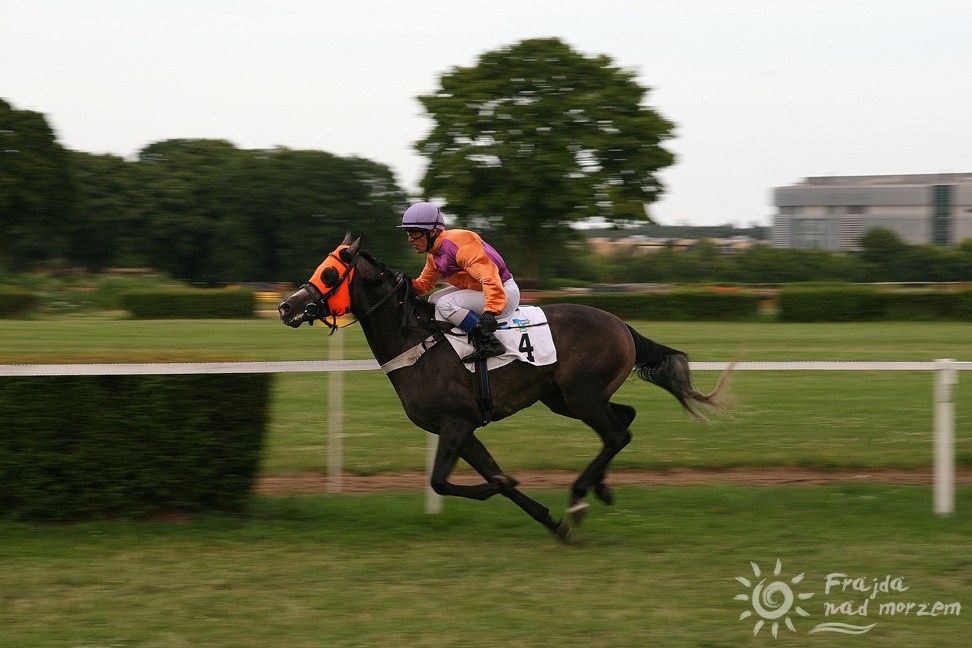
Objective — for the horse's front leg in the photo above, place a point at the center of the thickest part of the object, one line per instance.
(477, 456)
(451, 443)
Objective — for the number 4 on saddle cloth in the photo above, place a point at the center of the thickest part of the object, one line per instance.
(525, 335)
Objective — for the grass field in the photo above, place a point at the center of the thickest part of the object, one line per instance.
(659, 568)
(829, 419)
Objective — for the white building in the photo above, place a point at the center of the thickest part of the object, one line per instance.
(832, 213)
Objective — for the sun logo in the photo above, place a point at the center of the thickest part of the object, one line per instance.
(771, 601)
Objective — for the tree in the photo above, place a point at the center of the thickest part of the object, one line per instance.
(282, 211)
(881, 250)
(537, 136)
(964, 260)
(177, 179)
(107, 229)
(37, 191)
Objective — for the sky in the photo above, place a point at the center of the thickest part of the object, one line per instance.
(763, 92)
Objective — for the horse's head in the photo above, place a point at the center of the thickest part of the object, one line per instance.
(327, 292)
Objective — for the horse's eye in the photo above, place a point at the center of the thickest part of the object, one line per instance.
(330, 277)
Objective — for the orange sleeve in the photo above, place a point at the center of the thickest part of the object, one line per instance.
(429, 277)
(472, 257)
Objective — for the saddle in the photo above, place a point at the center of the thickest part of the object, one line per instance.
(525, 335)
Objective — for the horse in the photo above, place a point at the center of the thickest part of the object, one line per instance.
(596, 354)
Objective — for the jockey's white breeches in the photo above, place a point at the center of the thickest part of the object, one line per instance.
(454, 304)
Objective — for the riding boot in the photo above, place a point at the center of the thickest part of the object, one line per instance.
(486, 345)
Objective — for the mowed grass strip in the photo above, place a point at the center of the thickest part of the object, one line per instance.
(659, 568)
(265, 338)
(817, 419)
(812, 419)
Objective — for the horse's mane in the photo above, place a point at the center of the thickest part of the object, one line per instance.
(417, 313)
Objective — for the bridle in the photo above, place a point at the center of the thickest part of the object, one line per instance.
(334, 281)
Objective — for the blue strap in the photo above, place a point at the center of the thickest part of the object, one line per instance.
(469, 322)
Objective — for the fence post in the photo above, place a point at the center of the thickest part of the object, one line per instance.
(433, 501)
(335, 417)
(944, 420)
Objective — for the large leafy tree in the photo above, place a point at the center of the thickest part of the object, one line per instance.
(178, 184)
(537, 136)
(37, 191)
(282, 211)
(216, 213)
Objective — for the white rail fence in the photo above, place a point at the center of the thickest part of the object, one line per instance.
(946, 377)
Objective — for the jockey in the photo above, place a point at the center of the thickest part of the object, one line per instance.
(482, 287)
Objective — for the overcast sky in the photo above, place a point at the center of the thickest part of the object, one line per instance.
(764, 92)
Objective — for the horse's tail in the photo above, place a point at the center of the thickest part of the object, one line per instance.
(669, 369)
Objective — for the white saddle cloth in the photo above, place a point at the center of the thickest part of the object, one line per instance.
(525, 335)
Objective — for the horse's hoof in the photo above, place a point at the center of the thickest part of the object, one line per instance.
(604, 493)
(578, 511)
(562, 531)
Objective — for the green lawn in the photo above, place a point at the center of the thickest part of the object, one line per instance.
(50, 338)
(658, 569)
(823, 419)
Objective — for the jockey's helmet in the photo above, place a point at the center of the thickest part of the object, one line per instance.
(422, 216)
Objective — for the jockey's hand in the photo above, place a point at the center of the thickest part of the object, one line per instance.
(487, 323)
(402, 278)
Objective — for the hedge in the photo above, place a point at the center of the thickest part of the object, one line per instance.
(837, 303)
(195, 303)
(75, 447)
(852, 303)
(15, 301)
(678, 305)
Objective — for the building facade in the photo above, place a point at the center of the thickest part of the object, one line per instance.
(833, 212)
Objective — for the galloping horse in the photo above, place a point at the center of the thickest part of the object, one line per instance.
(596, 354)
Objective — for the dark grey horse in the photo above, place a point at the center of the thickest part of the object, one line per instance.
(596, 352)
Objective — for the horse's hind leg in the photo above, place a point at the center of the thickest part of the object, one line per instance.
(625, 415)
(594, 477)
(477, 456)
(611, 425)
(615, 436)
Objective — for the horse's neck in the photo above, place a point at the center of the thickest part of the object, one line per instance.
(383, 332)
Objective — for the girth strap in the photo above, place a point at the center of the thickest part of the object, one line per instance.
(485, 399)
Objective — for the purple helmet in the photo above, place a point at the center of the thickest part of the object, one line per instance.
(422, 216)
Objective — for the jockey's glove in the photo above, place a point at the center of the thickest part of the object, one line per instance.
(487, 323)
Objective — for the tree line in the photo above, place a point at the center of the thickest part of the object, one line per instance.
(200, 210)
(883, 257)
(532, 139)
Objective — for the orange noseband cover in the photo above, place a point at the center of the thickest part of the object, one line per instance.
(338, 297)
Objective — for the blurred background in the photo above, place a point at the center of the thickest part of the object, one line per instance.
(771, 180)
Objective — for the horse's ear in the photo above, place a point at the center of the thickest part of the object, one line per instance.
(347, 238)
(349, 253)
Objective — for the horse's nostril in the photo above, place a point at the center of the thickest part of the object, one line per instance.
(284, 308)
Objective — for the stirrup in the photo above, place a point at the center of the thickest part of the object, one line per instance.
(485, 348)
